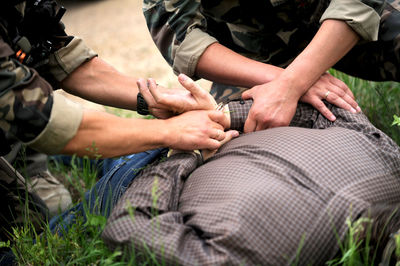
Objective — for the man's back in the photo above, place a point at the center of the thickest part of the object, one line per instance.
(261, 194)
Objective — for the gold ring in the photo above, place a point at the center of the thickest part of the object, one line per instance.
(326, 94)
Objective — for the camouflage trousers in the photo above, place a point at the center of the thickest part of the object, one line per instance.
(377, 61)
(18, 206)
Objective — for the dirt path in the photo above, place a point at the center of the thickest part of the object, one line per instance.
(117, 31)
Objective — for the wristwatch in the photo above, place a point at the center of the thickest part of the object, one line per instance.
(141, 106)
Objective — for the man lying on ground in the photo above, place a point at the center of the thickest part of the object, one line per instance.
(262, 193)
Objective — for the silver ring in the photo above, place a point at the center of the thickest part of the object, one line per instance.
(326, 94)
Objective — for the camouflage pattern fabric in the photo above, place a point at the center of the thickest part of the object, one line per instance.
(380, 60)
(25, 100)
(29, 111)
(273, 32)
(30, 68)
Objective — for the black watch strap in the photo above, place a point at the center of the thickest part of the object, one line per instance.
(142, 107)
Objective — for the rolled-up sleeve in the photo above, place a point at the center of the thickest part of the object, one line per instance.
(59, 130)
(65, 60)
(362, 16)
(30, 111)
(178, 28)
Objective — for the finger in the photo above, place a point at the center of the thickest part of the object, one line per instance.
(207, 153)
(219, 117)
(262, 126)
(247, 95)
(153, 89)
(211, 144)
(347, 98)
(343, 86)
(321, 107)
(333, 98)
(218, 135)
(191, 86)
(230, 134)
(250, 125)
(144, 90)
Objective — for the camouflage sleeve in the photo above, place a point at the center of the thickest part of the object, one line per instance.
(178, 29)
(363, 16)
(68, 58)
(30, 111)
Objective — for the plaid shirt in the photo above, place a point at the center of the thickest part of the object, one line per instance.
(261, 195)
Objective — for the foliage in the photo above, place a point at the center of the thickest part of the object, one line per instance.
(378, 100)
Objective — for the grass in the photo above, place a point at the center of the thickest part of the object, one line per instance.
(84, 246)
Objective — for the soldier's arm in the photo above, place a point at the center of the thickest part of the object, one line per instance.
(178, 28)
(52, 124)
(344, 23)
(28, 108)
(97, 81)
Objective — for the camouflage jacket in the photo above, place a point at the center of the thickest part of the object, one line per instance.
(29, 110)
(273, 31)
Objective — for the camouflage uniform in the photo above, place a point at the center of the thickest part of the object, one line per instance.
(29, 110)
(276, 31)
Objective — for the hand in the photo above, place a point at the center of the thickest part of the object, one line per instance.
(228, 136)
(273, 105)
(197, 130)
(164, 102)
(333, 91)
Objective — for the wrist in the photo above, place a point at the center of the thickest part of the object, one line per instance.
(292, 83)
(164, 133)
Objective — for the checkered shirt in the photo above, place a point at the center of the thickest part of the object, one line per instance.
(263, 197)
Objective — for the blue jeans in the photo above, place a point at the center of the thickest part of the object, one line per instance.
(107, 191)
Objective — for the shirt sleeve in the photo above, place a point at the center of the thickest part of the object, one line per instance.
(30, 111)
(66, 59)
(178, 28)
(362, 16)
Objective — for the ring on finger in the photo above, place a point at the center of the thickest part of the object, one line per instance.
(326, 95)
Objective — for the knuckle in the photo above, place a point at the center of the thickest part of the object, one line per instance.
(319, 105)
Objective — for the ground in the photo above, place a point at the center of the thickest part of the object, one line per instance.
(117, 31)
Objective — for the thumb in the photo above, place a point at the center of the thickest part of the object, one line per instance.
(219, 117)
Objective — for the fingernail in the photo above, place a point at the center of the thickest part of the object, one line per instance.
(333, 118)
(182, 77)
(358, 109)
(235, 134)
(353, 110)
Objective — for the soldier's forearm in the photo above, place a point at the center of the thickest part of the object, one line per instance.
(107, 135)
(99, 82)
(223, 65)
(332, 41)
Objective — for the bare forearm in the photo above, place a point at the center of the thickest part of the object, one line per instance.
(99, 82)
(333, 40)
(222, 65)
(109, 136)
